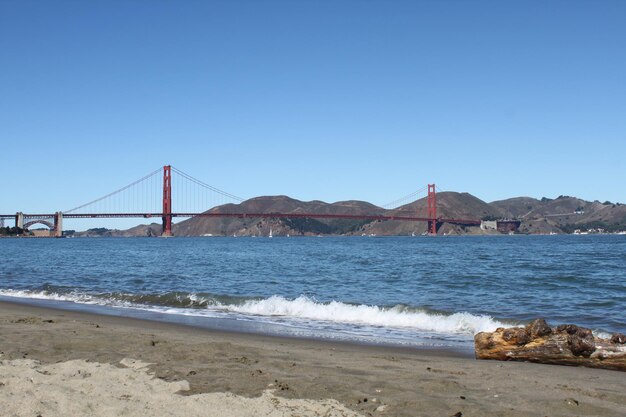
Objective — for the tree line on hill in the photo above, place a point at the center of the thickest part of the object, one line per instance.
(11, 231)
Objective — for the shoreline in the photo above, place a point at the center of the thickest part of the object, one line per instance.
(407, 381)
(237, 326)
(28, 307)
(460, 235)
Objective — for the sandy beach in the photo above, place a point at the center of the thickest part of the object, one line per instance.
(59, 363)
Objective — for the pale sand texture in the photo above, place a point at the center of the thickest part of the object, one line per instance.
(80, 388)
(407, 382)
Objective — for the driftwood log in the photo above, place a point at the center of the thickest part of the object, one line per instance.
(566, 344)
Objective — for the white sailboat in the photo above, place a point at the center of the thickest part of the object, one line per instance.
(270, 235)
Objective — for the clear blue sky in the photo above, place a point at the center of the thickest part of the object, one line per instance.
(327, 100)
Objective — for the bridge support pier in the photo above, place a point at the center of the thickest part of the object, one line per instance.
(58, 224)
(433, 227)
(432, 210)
(19, 220)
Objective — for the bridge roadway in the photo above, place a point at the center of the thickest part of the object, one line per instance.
(462, 222)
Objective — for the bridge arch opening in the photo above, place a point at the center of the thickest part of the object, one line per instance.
(46, 223)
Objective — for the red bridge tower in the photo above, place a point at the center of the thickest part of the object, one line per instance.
(432, 210)
(167, 201)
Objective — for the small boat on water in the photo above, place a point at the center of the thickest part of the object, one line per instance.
(270, 235)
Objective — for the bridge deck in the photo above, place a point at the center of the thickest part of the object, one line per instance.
(465, 222)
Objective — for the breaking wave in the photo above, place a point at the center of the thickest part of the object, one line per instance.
(300, 309)
(398, 316)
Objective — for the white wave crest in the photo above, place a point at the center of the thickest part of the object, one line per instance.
(398, 316)
(46, 295)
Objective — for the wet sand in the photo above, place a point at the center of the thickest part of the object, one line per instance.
(36, 345)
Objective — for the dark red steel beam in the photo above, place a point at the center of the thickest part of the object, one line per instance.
(241, 215)
(303, 215)
(261, 215)
(109, 215)
(30, 216)
(466, 222)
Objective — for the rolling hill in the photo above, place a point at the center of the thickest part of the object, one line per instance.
(450, 205)
(563, 214)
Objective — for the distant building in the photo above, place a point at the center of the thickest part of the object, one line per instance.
(502, 226)
(508, 226)
(41, 232)
(489, 225)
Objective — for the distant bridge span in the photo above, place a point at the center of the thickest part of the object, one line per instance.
(463, 222)
(439, 221)
(167, 214)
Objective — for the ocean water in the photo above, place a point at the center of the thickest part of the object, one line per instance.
(415, 291)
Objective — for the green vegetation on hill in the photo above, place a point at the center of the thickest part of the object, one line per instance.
(304, 225)
(336, 226)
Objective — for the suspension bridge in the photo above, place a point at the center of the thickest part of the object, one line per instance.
(154, 195)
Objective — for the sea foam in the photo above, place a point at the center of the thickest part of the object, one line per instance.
(302, 308)
(369, 315)
(53, 296)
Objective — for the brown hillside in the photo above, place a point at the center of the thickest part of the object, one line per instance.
(560, 215)
(452, 205)
(276, 204)
(517, 207)
(563, 214)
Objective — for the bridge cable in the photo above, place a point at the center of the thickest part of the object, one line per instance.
(117, 191)
(396, 203)
(205, 185)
